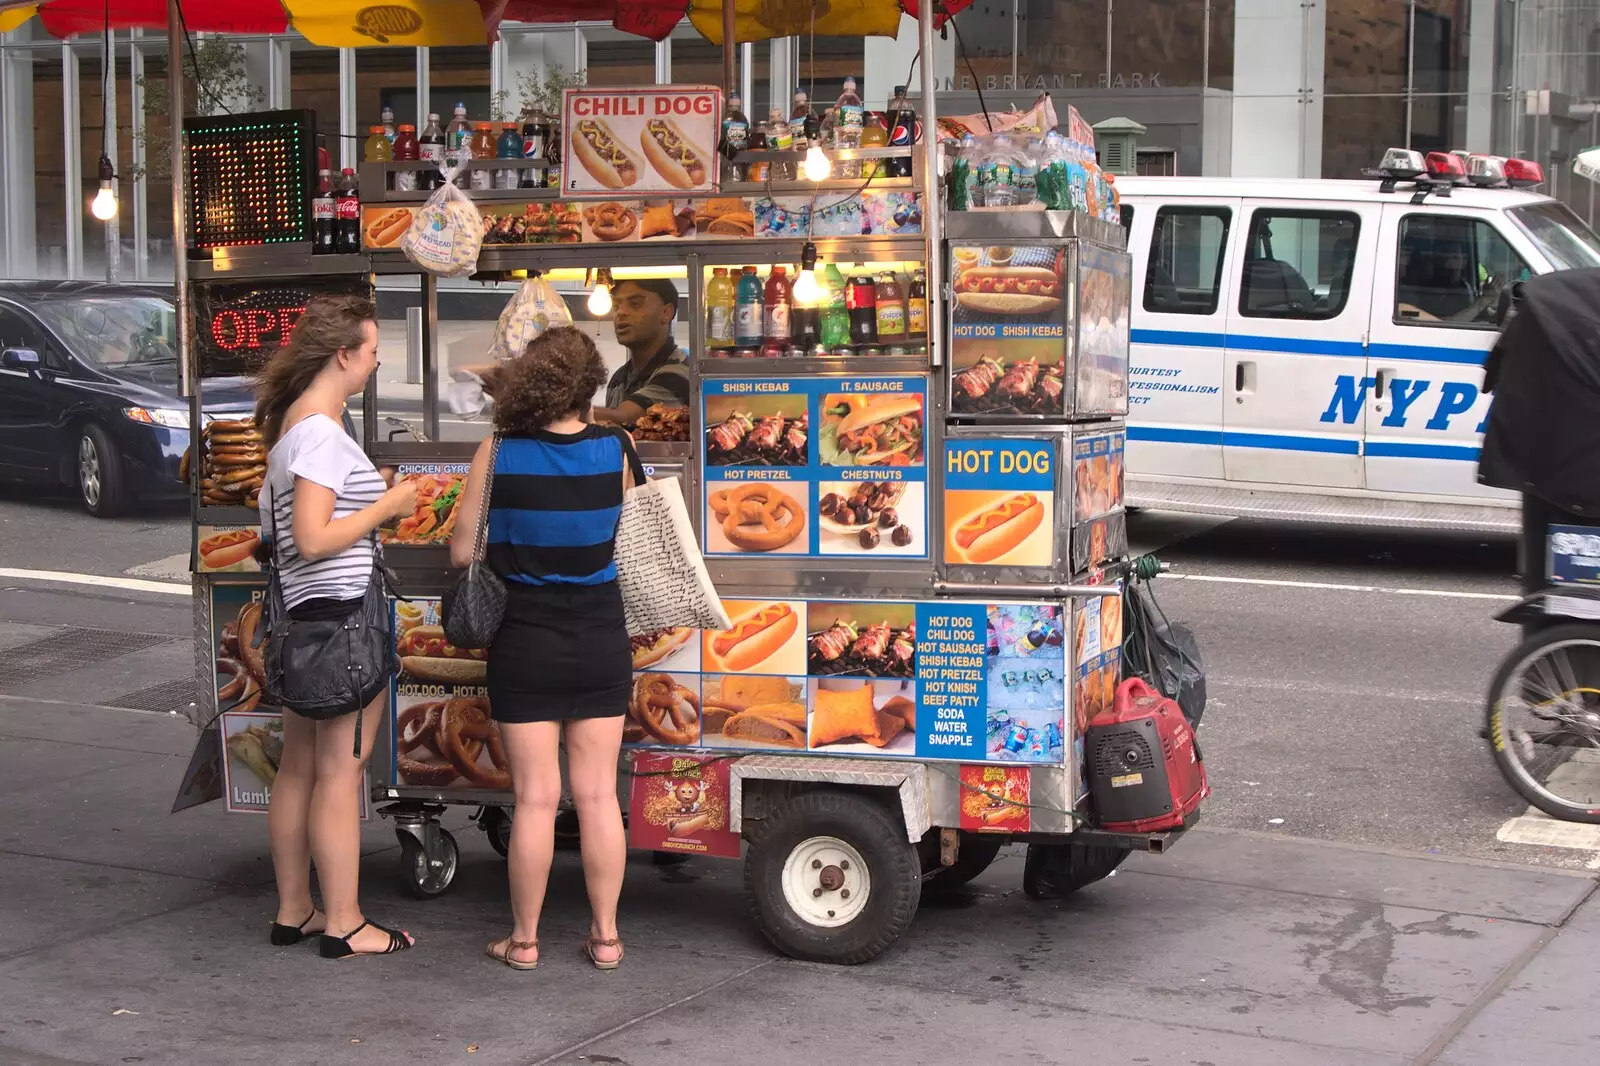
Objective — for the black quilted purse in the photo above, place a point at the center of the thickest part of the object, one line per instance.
(475, 605)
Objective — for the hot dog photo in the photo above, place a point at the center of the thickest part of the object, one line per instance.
(1008, 330)
(766, 638)
(1001, 528)
(227, 549)
(641, 140)
(382, 227)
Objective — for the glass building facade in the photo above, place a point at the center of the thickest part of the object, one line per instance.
(1272, 88)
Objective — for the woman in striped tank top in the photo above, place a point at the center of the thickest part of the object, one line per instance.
(561, 660)
(321, 500)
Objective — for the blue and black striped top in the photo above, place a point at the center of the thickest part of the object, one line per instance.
(554, 507)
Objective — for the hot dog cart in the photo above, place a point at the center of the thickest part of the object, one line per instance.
(920, 538)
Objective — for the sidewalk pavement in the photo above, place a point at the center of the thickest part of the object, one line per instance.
(131, 935)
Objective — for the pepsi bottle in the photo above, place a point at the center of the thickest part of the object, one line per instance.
(902, 123)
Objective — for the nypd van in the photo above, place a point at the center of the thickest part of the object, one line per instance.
(1313, 350)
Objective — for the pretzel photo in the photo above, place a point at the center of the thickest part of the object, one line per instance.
(776, 513)
(611, 221)
(442, 740)
(668, 711)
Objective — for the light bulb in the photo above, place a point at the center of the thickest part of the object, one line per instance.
(600, 300)
(104, 206)
(817, 165)
(807, 293)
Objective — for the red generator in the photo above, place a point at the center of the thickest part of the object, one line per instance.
(1145, 773)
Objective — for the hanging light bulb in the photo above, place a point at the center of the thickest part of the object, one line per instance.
(807, 293)
(817, 166)
(104, 206)
(600, 295)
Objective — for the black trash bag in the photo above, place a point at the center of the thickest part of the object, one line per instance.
(1164, 653)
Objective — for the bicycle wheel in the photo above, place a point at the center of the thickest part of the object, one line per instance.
(1544, 721)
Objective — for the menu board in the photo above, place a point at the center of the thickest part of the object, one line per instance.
(646, 139)
(808, 467)
(443, 736)
(1100, 530)
(949, 681)
(999, 499)
(1097, 665)
(1105, 290)
(1008, 329)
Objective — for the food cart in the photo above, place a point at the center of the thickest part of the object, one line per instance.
(920, 539)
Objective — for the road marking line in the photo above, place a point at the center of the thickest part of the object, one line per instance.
(1329, 586)
(173, 566)
(127, 584)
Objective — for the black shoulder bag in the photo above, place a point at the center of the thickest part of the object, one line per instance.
(474, 606)
(327, 668)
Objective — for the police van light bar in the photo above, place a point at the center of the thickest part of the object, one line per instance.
(1486, 171)
(1445, 166)
(1402, 164)
(1520, 173)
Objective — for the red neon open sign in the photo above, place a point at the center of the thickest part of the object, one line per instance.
(251, 330)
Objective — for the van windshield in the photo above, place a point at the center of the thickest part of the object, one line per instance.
(1559, 234)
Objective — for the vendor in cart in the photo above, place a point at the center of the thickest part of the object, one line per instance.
(656, 372)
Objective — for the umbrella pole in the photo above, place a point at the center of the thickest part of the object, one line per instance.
(180, 244)
(729, 85)
(932, 206)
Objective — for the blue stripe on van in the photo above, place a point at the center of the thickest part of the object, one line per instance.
(1302, 346)
(1290, 443)
(1377, 449)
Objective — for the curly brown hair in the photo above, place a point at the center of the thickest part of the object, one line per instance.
(556, 375)
(330, 324)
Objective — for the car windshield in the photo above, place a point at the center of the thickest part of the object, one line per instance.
(114, 330)
(1560, 235)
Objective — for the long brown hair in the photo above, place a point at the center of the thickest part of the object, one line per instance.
(329, 325)
(556, 375)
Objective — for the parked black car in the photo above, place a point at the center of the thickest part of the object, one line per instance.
(89, 391)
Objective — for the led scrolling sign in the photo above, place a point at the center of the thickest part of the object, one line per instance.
(249, 179)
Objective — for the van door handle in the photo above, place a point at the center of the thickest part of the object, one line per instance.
(1380, 389)
(1244, 379)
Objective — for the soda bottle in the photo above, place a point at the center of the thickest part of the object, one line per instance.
(802, 121)
(720, 302)
(458, 140)
(849, 115)
(735, 137)
(482, 146)
(805, 325)
(389, 129)
(323, 161)
(873, 135)
(508, 147)
(534, 132)
(748, 299)
(552, 155)
(861, 300)
(917, 308)
(323, 211)
(891, 309)
(406, 150)
(775, 317)
(835, 324)
(431, 147)
(780, 139)
(347, 206)
(902, 132)
(761, 170)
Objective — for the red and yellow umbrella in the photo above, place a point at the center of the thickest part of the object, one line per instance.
(408, 23)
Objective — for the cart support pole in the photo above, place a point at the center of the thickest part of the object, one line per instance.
(729, 76)
(932, 207)
(180, 244)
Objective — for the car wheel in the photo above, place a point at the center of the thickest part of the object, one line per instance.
(102, 484)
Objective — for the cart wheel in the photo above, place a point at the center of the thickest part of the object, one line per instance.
(1052, 871)
(832, 878)
(428, 872)
(496, 823)
(977, 851)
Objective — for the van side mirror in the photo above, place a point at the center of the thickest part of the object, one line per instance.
(19, 359)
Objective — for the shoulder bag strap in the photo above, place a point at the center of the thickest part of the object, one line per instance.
(480, 544)
(631, 454)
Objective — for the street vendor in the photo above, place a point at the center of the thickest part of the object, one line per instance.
(656, 371)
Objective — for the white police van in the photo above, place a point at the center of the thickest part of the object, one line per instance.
(1313, 350)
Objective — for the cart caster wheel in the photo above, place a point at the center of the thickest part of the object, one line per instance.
(429, 871)
(832, 878)
(1052, 871)
(977, 851)
(496, 823)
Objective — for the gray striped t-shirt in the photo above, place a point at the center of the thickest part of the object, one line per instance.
(318, 449)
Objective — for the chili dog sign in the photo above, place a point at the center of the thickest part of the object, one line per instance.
(652, 139)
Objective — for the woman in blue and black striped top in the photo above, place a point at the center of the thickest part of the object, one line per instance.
(561, 657)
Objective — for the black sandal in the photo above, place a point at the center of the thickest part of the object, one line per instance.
(285, 935)
(338, 947)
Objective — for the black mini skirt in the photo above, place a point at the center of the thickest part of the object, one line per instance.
(562, 652)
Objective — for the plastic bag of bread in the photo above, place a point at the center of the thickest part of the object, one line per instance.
(447, 233)
(1038, 119)
(535, 308)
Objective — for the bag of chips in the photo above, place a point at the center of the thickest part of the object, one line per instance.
(447, 233)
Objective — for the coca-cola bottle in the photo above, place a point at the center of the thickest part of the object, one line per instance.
(347, 207)
(323, 210)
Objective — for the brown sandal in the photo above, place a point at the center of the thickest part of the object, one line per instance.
(595, 942)
(510, 946)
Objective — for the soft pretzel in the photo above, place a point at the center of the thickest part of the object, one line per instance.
(775, 512)
(417, 727)
(668, 711)
(465, 720)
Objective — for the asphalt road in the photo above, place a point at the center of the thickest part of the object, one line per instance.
(1347, 668)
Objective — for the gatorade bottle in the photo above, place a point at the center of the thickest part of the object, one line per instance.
(835, 325)
(406, 150)
(747, 313)
(431, 145)
(509, 147)
(483, 147)
(720, 302)
(377, 149)
(775, 318)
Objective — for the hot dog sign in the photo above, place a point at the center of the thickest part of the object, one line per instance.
(645, 140)
(999, 495)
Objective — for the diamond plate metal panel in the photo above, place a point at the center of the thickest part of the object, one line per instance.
(1488, 517)
(205, 655)
(69, 648)
(910, 779)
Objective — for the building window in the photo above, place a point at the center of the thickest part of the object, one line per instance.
(1297, 264)
(1184, 274)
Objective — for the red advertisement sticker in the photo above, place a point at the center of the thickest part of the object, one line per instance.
(679, 802)
(994, 799)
